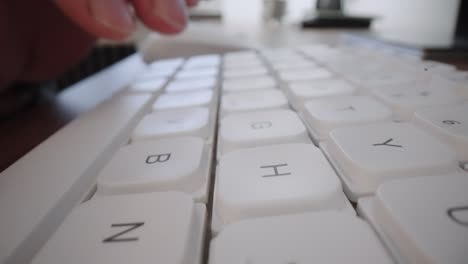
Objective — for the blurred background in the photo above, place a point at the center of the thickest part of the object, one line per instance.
(227, 25)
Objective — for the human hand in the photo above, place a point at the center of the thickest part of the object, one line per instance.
(115, 18)
(41, 38)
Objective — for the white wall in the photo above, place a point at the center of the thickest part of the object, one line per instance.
(409, 15)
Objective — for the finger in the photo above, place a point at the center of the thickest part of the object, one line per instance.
(165, 16)
(48, 57)
(104, 18)
(191, 3)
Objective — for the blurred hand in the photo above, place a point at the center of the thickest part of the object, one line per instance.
(41, 38)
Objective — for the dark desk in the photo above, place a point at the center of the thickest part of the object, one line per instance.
(29, 127)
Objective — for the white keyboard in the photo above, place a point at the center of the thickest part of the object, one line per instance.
(311, 155)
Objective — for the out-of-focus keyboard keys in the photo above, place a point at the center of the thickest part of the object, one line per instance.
(148, 86)
(250, 83)
(448, 123)
(405, 99)
(197, 73)
(304, 90)
(290, 65)
(324, 115)
(253, 100)
(168, 64)
(244, 72)
(321, 237)
(372, 80)
(210, 60)
(192, 121)
(422, 220)
(302, 74)
(366, 156)
(191, 84)
(183, 99)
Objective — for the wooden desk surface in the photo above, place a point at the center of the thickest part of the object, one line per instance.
(26, 129)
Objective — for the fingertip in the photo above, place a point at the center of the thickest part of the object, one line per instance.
(191, 3)
(113, 19)
(165, 16)
(114, 15)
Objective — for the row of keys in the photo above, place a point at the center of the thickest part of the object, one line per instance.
(168, 150)
(417, 226)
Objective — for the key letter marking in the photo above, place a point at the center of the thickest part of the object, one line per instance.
(117, 237)
(158, 158)
(275, 169)
(386, 143)
(457, 218)
(261, 125)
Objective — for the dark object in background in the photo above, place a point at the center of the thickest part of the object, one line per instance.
(330, 15)
(99, 58)
(21, 95)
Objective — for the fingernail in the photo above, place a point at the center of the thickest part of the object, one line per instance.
(113, 14)
(173, 12)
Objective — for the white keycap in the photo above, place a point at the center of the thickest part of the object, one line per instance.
(368, 155)
(323, 115)
(240, 55)
(322, 237)
(278, 52)
(191, 84)
(176, 164)
(211, 60)
(250, 83)
(294, 64)
(422, 220)
(197, 73)
(241, 64)
(304, 90)
(381, 78)
(153, 228)
(183, 99)
(275, 180)
(448, 123)
(150, 74)
(405, 99)
(167, 64)
(231, 62)
(244, 72)
(246, 130)
(148, 86)
(253, 100)
(192, 121)
(310, 73)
